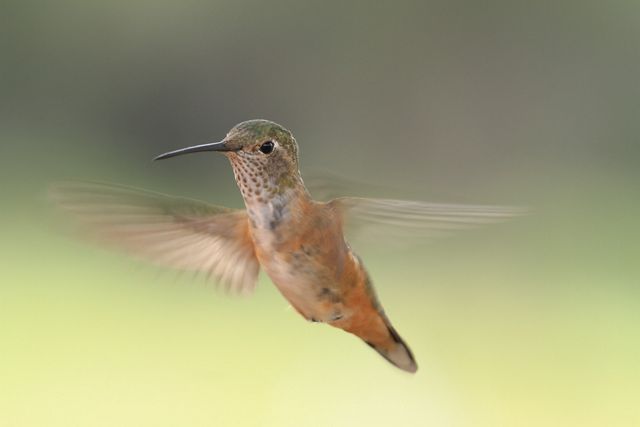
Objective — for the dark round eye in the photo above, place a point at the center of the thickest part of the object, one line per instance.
(267, 147)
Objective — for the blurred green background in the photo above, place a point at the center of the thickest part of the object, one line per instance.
(535, 322)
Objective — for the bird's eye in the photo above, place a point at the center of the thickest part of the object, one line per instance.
(267, 147)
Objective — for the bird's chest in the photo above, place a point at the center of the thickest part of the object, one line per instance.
(297, 257)
(281, 245)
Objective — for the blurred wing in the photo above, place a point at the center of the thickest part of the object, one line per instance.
(172, 231)
(327, 185)
(409, 219)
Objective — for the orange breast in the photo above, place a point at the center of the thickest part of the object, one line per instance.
(308, 260)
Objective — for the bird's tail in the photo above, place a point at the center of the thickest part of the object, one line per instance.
(392, 347)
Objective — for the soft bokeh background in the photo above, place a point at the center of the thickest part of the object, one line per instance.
(529, 323)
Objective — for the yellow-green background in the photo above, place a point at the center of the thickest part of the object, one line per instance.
(535, 322)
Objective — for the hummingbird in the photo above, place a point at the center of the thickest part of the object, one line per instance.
(299, 242)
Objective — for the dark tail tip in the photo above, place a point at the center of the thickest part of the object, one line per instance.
(396, 351)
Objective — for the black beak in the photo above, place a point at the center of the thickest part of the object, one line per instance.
(214, 146)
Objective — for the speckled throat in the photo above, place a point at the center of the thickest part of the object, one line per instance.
(271, 190)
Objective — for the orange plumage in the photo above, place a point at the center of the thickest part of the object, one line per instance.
(299, 242)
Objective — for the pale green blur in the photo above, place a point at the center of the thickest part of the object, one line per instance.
(535, 322)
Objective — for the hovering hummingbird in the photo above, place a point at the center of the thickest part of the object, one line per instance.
(298, 241)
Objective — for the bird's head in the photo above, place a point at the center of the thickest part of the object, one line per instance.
(264, 156)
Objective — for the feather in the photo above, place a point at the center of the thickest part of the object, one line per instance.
(172, 231)
(417, 219)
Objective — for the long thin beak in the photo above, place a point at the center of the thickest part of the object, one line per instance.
(214, 146)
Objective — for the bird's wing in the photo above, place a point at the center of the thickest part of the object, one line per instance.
(402, 218)
(177, 232)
